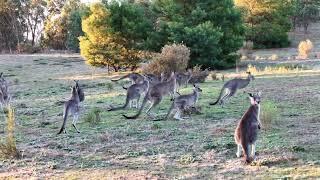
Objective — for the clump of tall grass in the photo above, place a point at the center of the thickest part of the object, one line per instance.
(93, 117)
(186, 159)
(304, 49)
(281, 69)
(269, 113)
(8, 148)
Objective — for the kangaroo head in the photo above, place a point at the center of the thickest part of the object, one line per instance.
(250, 76)
(196, 88)
(255, 99)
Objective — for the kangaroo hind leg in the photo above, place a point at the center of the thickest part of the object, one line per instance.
(75, 119)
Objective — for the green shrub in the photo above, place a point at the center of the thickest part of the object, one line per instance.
(173, 58)
(93, 117)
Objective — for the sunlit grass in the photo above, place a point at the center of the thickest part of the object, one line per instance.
(8, 148)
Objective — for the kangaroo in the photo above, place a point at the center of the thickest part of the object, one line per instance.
(80, 91)
(71, 106)
(134, 78)
(156, 93)
(134, 92)
(4, 94)
(183, 102)
(246, 132)
(231, 87)
(183, 78)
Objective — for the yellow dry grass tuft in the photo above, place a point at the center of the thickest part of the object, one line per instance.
(8, 149)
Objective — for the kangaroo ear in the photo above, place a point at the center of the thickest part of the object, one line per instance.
(1, 74)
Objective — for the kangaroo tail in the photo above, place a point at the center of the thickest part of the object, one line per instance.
(170, 109)
(120, 107)
(65, 116)
(123, 77)
(245, 148)
(145, 99)
(221, 92)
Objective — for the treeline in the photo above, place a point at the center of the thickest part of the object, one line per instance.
(121, 35)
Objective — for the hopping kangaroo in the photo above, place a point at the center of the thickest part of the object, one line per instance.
(231, 87)
(183, 102)
(134, 92)
(134, 78)
(247, 130)
(71, 106)
(156, 93)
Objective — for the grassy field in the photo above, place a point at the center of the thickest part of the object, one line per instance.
(198, 148)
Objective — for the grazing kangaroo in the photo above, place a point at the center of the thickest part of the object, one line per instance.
(134, 78)
(156, 93)
(183, 102)
(247, 130)
(134, 92)
(231, 87)
(80, 91)
(71, 106)
(183, 78)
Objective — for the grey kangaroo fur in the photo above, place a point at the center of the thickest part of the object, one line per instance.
(183, 78)
(183, 102)
(134, 92)
(247, 130)
(72, 107)
(231, 87)
(134, 78)
(156, 93)
(80, 91)
(4, 93)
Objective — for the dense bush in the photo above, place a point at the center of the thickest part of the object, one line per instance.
(173, 58)
(267, 22)
(213, 30)
(304, 48)
(114, 35)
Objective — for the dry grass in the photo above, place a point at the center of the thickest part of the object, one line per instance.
(201, 147)
(269, 114)
(305, 48)
(8, 148)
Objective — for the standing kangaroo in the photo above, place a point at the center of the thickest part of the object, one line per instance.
(183, 102)
(134, 78)
(80, 91)
(231, 87)
(134, 92)
(71, 106)
(156, 93)
(247, 130)
(183, 78)
(4, 94)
